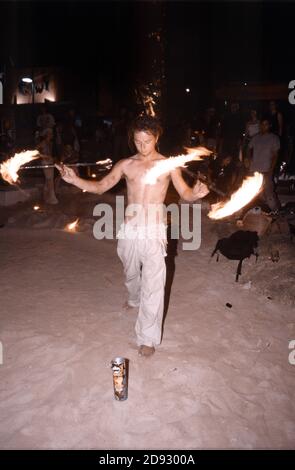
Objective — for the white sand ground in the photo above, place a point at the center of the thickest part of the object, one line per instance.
(220, 379)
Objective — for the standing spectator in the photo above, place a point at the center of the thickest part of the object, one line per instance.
(58, 139)
(45, 148)
(45, 120)
(102, 140)
(68, 155)
(76, 122)
(232, 132)
(253, 125)
(277, 127)
(68, 132)
(185, 133)
(7, 137)
(263, 154)
(211, 128)
(252, 129)
(276, 119)
(291, 146)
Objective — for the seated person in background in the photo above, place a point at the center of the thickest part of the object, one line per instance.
(225, 174)
(263, 154)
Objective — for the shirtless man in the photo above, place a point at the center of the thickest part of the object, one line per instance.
(142, 244)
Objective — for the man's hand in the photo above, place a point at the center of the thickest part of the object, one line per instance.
(200, 190)
(67, 173)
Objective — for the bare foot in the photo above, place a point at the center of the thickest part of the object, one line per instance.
(128, 308)
(146, 351)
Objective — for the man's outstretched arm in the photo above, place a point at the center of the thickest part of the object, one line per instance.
(185, 192)
(97, 187)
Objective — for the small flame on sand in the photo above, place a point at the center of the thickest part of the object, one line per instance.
(251, 186)
(9, 169)
(169, 164)
(72, 227)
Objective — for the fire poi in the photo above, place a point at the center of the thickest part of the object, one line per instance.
(9, 169)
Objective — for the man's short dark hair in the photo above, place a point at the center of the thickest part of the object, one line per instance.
(145, 123)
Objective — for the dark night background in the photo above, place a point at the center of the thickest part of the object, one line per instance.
(206, 44)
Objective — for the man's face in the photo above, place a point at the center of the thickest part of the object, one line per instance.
(145, 142)
(264, 127)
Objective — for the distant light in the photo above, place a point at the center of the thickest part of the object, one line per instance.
(245, 83)
(27, 80)
(93, 175)
(36, 208)
(225, 103)
(187, 90)
(84, 191)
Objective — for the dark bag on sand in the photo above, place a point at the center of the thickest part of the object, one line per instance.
(238, 246)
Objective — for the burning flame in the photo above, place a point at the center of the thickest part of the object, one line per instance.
(251, 186)
(107, 161)
(164, 166)
(73, 225)
(10, 167)
(149, 102)
(36, 208)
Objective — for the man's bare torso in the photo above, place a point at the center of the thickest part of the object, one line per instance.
(148, 198)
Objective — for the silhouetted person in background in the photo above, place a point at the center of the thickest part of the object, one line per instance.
(232, 129)
(263, 154)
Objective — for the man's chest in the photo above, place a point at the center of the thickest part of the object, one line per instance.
(263, 147)
(136, 172)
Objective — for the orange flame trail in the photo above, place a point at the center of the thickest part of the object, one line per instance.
(251, 186)
(169, 164)
(9, 169)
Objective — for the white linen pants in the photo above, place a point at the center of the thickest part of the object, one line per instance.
(145, 270)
